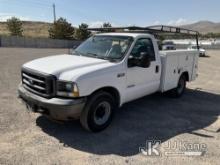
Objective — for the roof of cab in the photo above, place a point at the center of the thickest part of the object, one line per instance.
(124, 34)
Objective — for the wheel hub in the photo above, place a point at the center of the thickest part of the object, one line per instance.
(102, 113)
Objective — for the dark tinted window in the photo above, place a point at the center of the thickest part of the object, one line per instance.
(144, 45)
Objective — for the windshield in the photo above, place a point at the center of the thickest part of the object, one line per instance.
(105, 47)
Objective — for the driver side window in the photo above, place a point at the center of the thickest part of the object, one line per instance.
(143, 45)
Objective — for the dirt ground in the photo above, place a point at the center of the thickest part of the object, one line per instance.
(27, 138)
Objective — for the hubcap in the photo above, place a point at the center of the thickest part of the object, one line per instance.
(102, 113)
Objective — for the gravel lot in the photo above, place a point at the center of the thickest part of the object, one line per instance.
(27, 138)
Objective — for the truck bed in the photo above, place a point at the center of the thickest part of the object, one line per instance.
(174, 63)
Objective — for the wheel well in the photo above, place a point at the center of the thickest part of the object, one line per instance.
(111, 90)
(186, 74)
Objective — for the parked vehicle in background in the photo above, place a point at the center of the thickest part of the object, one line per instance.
(202, 52)
(168, 45)
(103, 73)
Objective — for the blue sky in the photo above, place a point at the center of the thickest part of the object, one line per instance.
(119, 13)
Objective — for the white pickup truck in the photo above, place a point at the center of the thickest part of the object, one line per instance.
(103, 73)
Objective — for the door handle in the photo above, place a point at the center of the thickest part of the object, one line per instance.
(120, 75)
(157, 69)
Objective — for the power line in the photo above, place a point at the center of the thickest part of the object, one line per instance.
(24, 3)
(35, 4)
(39, 2)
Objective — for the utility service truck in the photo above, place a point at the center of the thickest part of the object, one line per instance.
(105, 72)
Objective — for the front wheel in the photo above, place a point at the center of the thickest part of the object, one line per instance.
(98, 112)
(180, 89)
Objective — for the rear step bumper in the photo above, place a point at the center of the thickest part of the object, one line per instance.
(55, 108)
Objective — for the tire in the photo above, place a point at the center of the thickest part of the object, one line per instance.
(98, 112)
(180, 89)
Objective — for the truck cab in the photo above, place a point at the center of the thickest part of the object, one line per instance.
(103, 73)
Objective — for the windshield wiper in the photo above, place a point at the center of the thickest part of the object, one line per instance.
(100, 57)
(92, 54)
(77, 53)
(109, 59)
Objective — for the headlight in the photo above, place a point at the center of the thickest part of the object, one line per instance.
(67, 89)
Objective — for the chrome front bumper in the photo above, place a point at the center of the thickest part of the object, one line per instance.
(55, 108)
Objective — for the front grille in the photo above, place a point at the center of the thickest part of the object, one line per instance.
(38, 83)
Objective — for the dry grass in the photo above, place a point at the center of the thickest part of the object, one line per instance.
(31, 29)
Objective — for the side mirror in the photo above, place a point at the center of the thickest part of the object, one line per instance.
(145, 60)
(142, 61)
(131, 61)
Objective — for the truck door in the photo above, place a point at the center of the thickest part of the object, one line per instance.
(143, 81)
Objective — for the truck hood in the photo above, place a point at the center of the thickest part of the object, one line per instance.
(58, 64)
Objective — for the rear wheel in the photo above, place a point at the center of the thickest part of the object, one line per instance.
(98, 112)
(180, 89)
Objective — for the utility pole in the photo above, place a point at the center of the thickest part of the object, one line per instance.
(54, 12)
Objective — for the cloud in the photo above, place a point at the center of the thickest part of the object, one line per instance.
(178, 22)
(5, 16)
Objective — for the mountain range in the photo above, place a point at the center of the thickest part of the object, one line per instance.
(204, 27)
